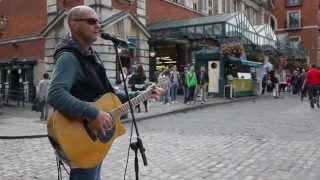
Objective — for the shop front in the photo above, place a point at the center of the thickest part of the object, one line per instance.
(16, 80)
(241, 76)
(228, 76)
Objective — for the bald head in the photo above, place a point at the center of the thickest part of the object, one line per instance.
(78, 11)
(84, 25)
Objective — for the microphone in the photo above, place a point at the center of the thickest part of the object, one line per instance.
(107, 36)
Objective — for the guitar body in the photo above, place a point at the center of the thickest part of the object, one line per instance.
(78, 142)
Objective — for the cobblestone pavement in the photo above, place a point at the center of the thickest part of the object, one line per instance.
(270, 139)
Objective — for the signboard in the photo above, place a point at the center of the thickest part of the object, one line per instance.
(213, 73)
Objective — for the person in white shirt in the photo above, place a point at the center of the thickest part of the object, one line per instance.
(42, 95)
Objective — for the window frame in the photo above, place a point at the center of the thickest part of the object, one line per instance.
(299, 20)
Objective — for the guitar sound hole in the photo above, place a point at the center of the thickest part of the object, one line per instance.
(107, 135)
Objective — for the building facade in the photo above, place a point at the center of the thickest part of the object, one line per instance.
(298, 20)
(29, 32)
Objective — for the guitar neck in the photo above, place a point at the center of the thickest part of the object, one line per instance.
(124, 108)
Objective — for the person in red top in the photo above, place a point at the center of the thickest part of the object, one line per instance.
(312, 79)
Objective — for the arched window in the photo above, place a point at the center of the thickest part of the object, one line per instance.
(273, 22)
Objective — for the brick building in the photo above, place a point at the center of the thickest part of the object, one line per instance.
(29, 32)
(298, 20)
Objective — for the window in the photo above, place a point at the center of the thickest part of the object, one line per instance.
(223, 6)
(293, 19)
(210, 12)
(273, 22)
(294, 41)
(294, 2)
(212, 7)
(195, 6)
(235, 6)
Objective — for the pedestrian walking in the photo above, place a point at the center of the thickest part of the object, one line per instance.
(274, 84)
(42, 96)
(312, 79)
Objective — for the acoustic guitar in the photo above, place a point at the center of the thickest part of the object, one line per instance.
(78, 141)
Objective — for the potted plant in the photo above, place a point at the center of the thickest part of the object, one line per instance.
(232, 49)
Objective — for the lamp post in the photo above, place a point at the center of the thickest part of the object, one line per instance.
(152, 65)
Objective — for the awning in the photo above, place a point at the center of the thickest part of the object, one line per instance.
(251, 63)
(245, 62)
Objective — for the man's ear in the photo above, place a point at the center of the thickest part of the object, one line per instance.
(73, 25)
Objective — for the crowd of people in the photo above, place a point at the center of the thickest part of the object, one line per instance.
(188, 83)
(300, 82)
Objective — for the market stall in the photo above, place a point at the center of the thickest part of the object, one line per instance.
(240, 76)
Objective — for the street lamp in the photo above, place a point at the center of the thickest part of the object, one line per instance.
(152, 53)
(152, 65)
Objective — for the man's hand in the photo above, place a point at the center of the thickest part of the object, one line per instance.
(104, 121)
(156, 93)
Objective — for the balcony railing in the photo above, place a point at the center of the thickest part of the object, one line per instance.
(294, 26)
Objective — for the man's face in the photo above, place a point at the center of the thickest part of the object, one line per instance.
(87, 26)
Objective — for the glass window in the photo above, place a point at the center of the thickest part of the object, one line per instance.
(208, 29)
(210, 12)
(195, 6)
(199, 29)
(217, 29)
(294, 19)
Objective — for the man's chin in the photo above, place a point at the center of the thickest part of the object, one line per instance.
(94, 39)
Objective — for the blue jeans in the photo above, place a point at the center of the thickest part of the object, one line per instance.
(173, 92)
(86, 174)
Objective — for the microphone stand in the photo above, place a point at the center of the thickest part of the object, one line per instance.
(138, 145)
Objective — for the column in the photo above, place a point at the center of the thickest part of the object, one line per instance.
(220, 8)
(7, 85)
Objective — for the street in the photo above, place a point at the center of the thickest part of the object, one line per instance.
(269, 139)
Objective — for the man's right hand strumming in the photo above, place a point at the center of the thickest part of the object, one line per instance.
(104, 121)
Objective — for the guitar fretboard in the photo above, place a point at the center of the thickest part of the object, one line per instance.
(124, 108)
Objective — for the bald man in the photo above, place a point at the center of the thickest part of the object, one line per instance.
(79, 77)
